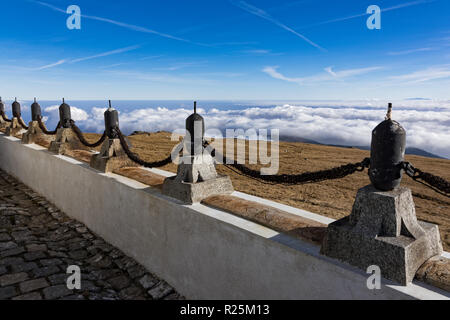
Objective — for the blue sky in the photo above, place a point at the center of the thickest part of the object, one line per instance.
(225, 49)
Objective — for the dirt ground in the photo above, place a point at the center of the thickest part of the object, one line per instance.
(331, 198)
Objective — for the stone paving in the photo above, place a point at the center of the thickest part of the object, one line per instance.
(38, 242)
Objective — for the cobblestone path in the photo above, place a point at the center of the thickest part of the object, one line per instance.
(38, 242)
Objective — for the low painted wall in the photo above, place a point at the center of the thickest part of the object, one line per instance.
(204, 253)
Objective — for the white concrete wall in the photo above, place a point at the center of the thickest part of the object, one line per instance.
(204, 253)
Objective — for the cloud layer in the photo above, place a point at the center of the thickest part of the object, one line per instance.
(427, 122)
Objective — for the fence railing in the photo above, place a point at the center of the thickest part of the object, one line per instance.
(112, 131)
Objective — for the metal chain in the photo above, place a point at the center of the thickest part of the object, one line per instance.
(133, 156)
(23, 123)
(4, 117)
(83, 140)
(291, 179)
(437, 183)
(44, 129)
(431, 181)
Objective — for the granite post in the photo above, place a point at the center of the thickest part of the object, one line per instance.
(382, 228)
(111, 157)
(3, 123)
(14, 128)
(65, 140)
(196, 177)
(196, 180)
(33, 133)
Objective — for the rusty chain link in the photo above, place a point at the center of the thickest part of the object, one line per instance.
(4, 117)
(22, 123)
(44, 129)
(431, 181)
(291, 179)
(133, 156)
(83, 140)
(316, 176)
(435, 182)
(438, 184)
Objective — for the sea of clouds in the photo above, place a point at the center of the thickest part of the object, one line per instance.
(427, 122)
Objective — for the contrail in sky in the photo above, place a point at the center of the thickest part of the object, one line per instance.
(263, 14)
(120, 24)
(108, 53)
(403, 5)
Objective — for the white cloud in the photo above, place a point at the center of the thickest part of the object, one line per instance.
(76, 113)
(427, 122)
(272, 71)
(399, 53)
(328, 76)
(431, 73)
(257, 51)
(354, 72)
(330, 71)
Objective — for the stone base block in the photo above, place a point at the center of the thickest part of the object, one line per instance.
(111, 157)
(34, 132)
(3, 123)
(196, 192)
(196, 168)
(66, 139)
(14, 128)
(398, 257)
(383, 230)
